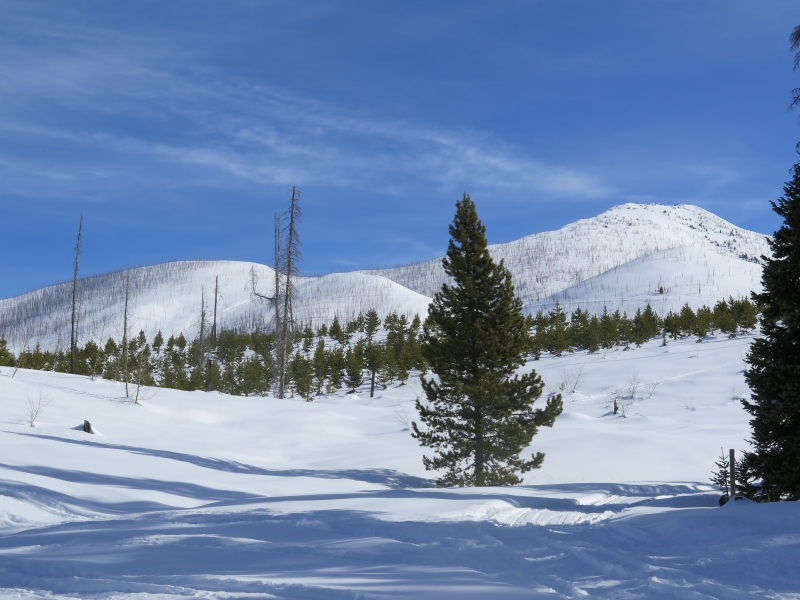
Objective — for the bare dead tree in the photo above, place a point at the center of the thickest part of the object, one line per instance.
(291, 257)
(125, 334)
(26, 341)
(577, 377)
(202, 327)
(34, 407)
(633, 384)
(653, 386)
(73, 340)
(216, 295)
(280, 344)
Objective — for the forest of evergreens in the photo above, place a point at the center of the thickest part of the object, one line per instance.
(363, 350)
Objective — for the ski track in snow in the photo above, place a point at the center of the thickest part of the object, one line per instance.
(204, 495)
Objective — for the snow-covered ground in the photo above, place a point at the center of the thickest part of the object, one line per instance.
(212, 496)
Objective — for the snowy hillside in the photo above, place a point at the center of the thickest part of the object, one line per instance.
(544, 264)
(169, 297)
(196, 494)
(621, 259)
(666, 280)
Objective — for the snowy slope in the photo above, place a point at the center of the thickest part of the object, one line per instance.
(205, 495)
(546, 263)
(666, 280)
(169, 297)
(616, 259)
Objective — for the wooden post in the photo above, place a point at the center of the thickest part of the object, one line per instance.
(733, 475)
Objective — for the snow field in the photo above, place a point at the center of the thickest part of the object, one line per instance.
(213, 496)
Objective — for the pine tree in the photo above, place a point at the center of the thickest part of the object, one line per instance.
(722, 476)
(558, 339)
(6, 358)
(354, 365)
(371, 324)
(337, 333)
(723, 318)
(320, 364)
(774, 358)
(479, 415)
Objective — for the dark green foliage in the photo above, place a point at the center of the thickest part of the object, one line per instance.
(320, 366)
(374, 361)
(479, 415)
(336, 367)
(723, 318)
(557, 338)
(337, 333)
(354, 366)
(722, 476)
(371, 323)
(6, 358)
(608, 330)
(774, 358)
(308, 339)
(704, 321)
(687, 320)
(302, 376)
(672, 325)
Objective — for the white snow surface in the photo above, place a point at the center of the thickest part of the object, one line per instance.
(619, 259)
(169, 298)
(666, 280)
(212, 496)
(546, 263)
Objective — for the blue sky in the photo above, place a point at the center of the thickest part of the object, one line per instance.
(178, 128)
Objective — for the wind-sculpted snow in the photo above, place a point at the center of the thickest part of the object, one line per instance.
(213, 496)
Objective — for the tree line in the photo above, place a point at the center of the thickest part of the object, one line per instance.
(556, 332)
(339, 357)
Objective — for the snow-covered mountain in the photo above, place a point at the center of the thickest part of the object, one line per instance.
(544, 264)
(169, 297)
(626, 257)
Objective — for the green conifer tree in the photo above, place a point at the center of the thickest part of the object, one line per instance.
(479, 414)
(558, 339)
(774, 358)
(6, 358)
(336, 332)
(354, 365)
(320, 365)
(371, 324)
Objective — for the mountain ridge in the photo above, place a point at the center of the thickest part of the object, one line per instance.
(581, 264)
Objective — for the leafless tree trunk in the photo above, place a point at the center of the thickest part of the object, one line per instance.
(280, 345)
(73, 341)
(216, 294)
(25, 345)
(291, 258)
(202, 327)
(287, 257)
(35, 407)
(125, 333)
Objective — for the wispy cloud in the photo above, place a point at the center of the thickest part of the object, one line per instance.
(215, 127)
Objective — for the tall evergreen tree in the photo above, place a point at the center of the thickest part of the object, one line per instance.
(774, 358)
(6, 358)
(479, 416)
